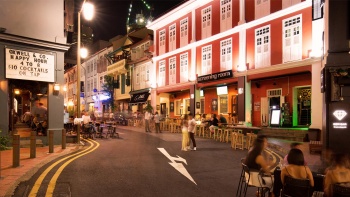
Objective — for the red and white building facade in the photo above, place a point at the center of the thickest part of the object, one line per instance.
(262, 53)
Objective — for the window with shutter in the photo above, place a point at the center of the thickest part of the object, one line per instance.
(184, 68)
(292, 39)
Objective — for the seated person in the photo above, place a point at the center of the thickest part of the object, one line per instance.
(296, 168)
(256, 162)
(338, 172)
(296, 145)
(222, 119)
(86, 121)
(214, 122)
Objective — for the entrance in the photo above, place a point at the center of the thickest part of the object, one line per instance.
(303, 107)
(163, 109)
(23, 94)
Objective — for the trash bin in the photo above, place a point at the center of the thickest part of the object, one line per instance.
(314, 134)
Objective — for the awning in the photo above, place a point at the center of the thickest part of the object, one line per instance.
(137, 97)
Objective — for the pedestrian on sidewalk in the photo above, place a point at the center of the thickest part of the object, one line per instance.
(147, 119)
(184, 126)
(191, 129)
(157, 122)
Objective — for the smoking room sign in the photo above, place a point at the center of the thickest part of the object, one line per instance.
(28, 65)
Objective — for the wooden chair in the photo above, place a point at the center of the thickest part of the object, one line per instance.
(340, 190)
(296, 187)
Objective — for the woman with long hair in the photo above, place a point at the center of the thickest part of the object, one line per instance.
(185, 137)
(256, 163)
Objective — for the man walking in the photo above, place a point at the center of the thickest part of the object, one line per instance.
(147, 118)
(191, 129)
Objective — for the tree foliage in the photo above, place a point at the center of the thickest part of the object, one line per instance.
(108, 87)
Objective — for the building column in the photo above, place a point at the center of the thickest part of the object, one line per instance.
(316, 102)
(248, 103)
(241, 12)
(154, 99)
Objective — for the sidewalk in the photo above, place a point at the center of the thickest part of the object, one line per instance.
(10, 177)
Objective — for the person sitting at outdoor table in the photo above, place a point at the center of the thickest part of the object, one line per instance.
(87, 121)
(338, 172)
(213, 123)
(222, 119)
(296, 167)
(293, 145)
(256, 162)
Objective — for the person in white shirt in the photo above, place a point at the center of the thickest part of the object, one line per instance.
(147, 118)
(157, 122)
(191, 129)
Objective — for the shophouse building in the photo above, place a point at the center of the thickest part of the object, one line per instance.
(243, 59)
(32, 60)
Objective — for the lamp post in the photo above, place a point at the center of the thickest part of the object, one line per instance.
(87, 9)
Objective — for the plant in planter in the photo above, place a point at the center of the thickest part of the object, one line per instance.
(148, 108)
(4, 140)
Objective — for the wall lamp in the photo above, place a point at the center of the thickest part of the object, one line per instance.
(56, 89)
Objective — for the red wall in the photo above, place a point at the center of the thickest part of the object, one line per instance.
(276, 38)
(216, 53)
(281, 82)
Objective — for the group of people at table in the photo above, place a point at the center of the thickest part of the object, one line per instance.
(295, 166)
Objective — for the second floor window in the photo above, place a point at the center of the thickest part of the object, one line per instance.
(262, 8)
(206, 60)
(226, 15)
(162, 42)
(184, 32)
(161, 79)
(262, 47)
(184, 68)
(172, 71)
(206, 22)
(288, 3)
(226, 55)
(292, 39)
(172, 37)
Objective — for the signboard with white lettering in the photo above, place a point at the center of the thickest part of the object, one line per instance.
(215, 76)
(28, 65)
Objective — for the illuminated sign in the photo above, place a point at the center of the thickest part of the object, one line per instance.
(339, 114)
(28, 65)
(340, 125)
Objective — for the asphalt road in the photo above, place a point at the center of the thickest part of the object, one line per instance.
(141, 164)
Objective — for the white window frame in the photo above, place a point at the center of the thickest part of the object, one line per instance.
(262, 8)
(288, 3)
(172, 71)
(206, 60)
(263, 47)
(292, 38)
(226, 54)
(184, 32)
(162, 70)
(172, 37)
(206, 22)
(178, 109)
(184, 68)
(225, 15)
(137, 75)
(162, 42)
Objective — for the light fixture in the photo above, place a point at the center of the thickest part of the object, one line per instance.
(65, 88)
(56, 89)
(17, 91)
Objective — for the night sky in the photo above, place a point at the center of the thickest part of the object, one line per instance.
(110, 15)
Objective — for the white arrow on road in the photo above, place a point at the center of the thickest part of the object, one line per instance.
(178, 166)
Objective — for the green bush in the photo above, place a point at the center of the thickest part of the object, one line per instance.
(4, 140)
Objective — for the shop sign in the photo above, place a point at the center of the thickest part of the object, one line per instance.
(215, 76)
(28, 65)
(340, 114)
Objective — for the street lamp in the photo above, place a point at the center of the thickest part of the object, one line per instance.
(87, 9)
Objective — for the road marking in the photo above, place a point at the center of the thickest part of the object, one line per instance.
(37, 184)
(178, 166)
(52, 184)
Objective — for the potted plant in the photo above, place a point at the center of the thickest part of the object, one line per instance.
(148, 108)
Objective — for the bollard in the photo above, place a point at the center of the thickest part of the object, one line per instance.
(33, 144)
(51, 141)
(15, 150)
(64, 139)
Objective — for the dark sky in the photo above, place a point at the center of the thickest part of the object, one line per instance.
(110, 15)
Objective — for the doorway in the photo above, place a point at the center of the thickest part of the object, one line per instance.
(302, 107)
(163, 109)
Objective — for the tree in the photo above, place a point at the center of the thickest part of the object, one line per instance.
(148, 108)
(108, 87)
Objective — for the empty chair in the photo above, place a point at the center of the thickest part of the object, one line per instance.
(296, 187)
(341, 190)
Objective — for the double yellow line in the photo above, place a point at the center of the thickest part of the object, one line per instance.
(52, 184)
